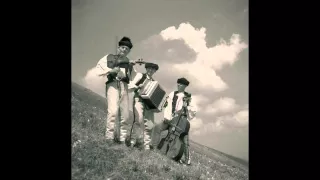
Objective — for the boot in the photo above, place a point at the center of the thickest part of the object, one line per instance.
(146, 147)
(187, 155)
(131, 144)
(128, 142)
(186, 150)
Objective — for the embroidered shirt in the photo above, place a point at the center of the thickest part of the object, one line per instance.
(192, 110)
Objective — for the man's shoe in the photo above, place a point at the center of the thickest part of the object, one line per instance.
(128, 142)
(147, 147)
(117, 141)
(132, 144)
(188, 162)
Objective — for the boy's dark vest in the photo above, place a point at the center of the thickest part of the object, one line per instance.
(144, 77)
(174, 100)
(113, 61)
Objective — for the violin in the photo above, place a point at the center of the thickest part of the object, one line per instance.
(139, 61)
(115, 63)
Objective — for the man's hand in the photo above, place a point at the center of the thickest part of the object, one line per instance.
(138, 87)
(120, 75)
(114, 70)
(185, 104)
(186, 101)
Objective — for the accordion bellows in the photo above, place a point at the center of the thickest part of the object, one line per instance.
(153, 95)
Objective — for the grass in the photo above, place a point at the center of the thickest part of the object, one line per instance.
(94, 159)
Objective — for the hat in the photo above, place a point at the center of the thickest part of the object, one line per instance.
(183, 81)
(151, 65)
(125, 41)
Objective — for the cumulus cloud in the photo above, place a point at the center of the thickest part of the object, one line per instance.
(240, 119)
(195, 124)
(218, 124)
(215, 57)
(94, 82)
(199, 100)
(196, 132)
(183, 51)
(225, 114)
(209, 59)
(222, 105)
(208, 128)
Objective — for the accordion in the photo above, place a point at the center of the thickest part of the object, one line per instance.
(153, 95)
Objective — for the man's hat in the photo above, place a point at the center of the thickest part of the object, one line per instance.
(151, 65)
(183, 81)
(125, 41)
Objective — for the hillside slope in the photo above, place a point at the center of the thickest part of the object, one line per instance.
(93, 159)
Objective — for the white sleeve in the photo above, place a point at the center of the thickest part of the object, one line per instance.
(134, 73)
(102, 66)
(133, 83)
(168, 110)
(192, 110)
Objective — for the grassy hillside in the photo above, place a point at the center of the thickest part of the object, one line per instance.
(94, 159)
(218, 154)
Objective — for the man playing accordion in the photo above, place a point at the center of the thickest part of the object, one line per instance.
(175, 102)
(118, 69)
(143, 116)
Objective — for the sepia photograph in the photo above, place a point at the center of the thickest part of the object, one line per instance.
(160, 90)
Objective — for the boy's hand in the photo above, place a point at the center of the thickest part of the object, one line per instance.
(140, 86)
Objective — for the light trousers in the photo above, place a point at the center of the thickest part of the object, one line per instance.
(143, 123)
(117, 121)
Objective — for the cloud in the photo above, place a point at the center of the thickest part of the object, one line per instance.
(222, 105)
(242, 117)
(195, 124)
(196, 132)
(215, 57)
(202, 70)
(203, 76)
(199, 100)
(238, 120)
(208, 128)
(94, 82)
(227, 122)
(183, 51)
(225, 114)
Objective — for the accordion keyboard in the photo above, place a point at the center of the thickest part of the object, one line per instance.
(157, 96)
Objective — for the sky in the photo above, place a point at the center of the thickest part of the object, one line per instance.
(205, 41)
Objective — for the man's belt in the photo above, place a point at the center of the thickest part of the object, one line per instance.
(126, 80)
